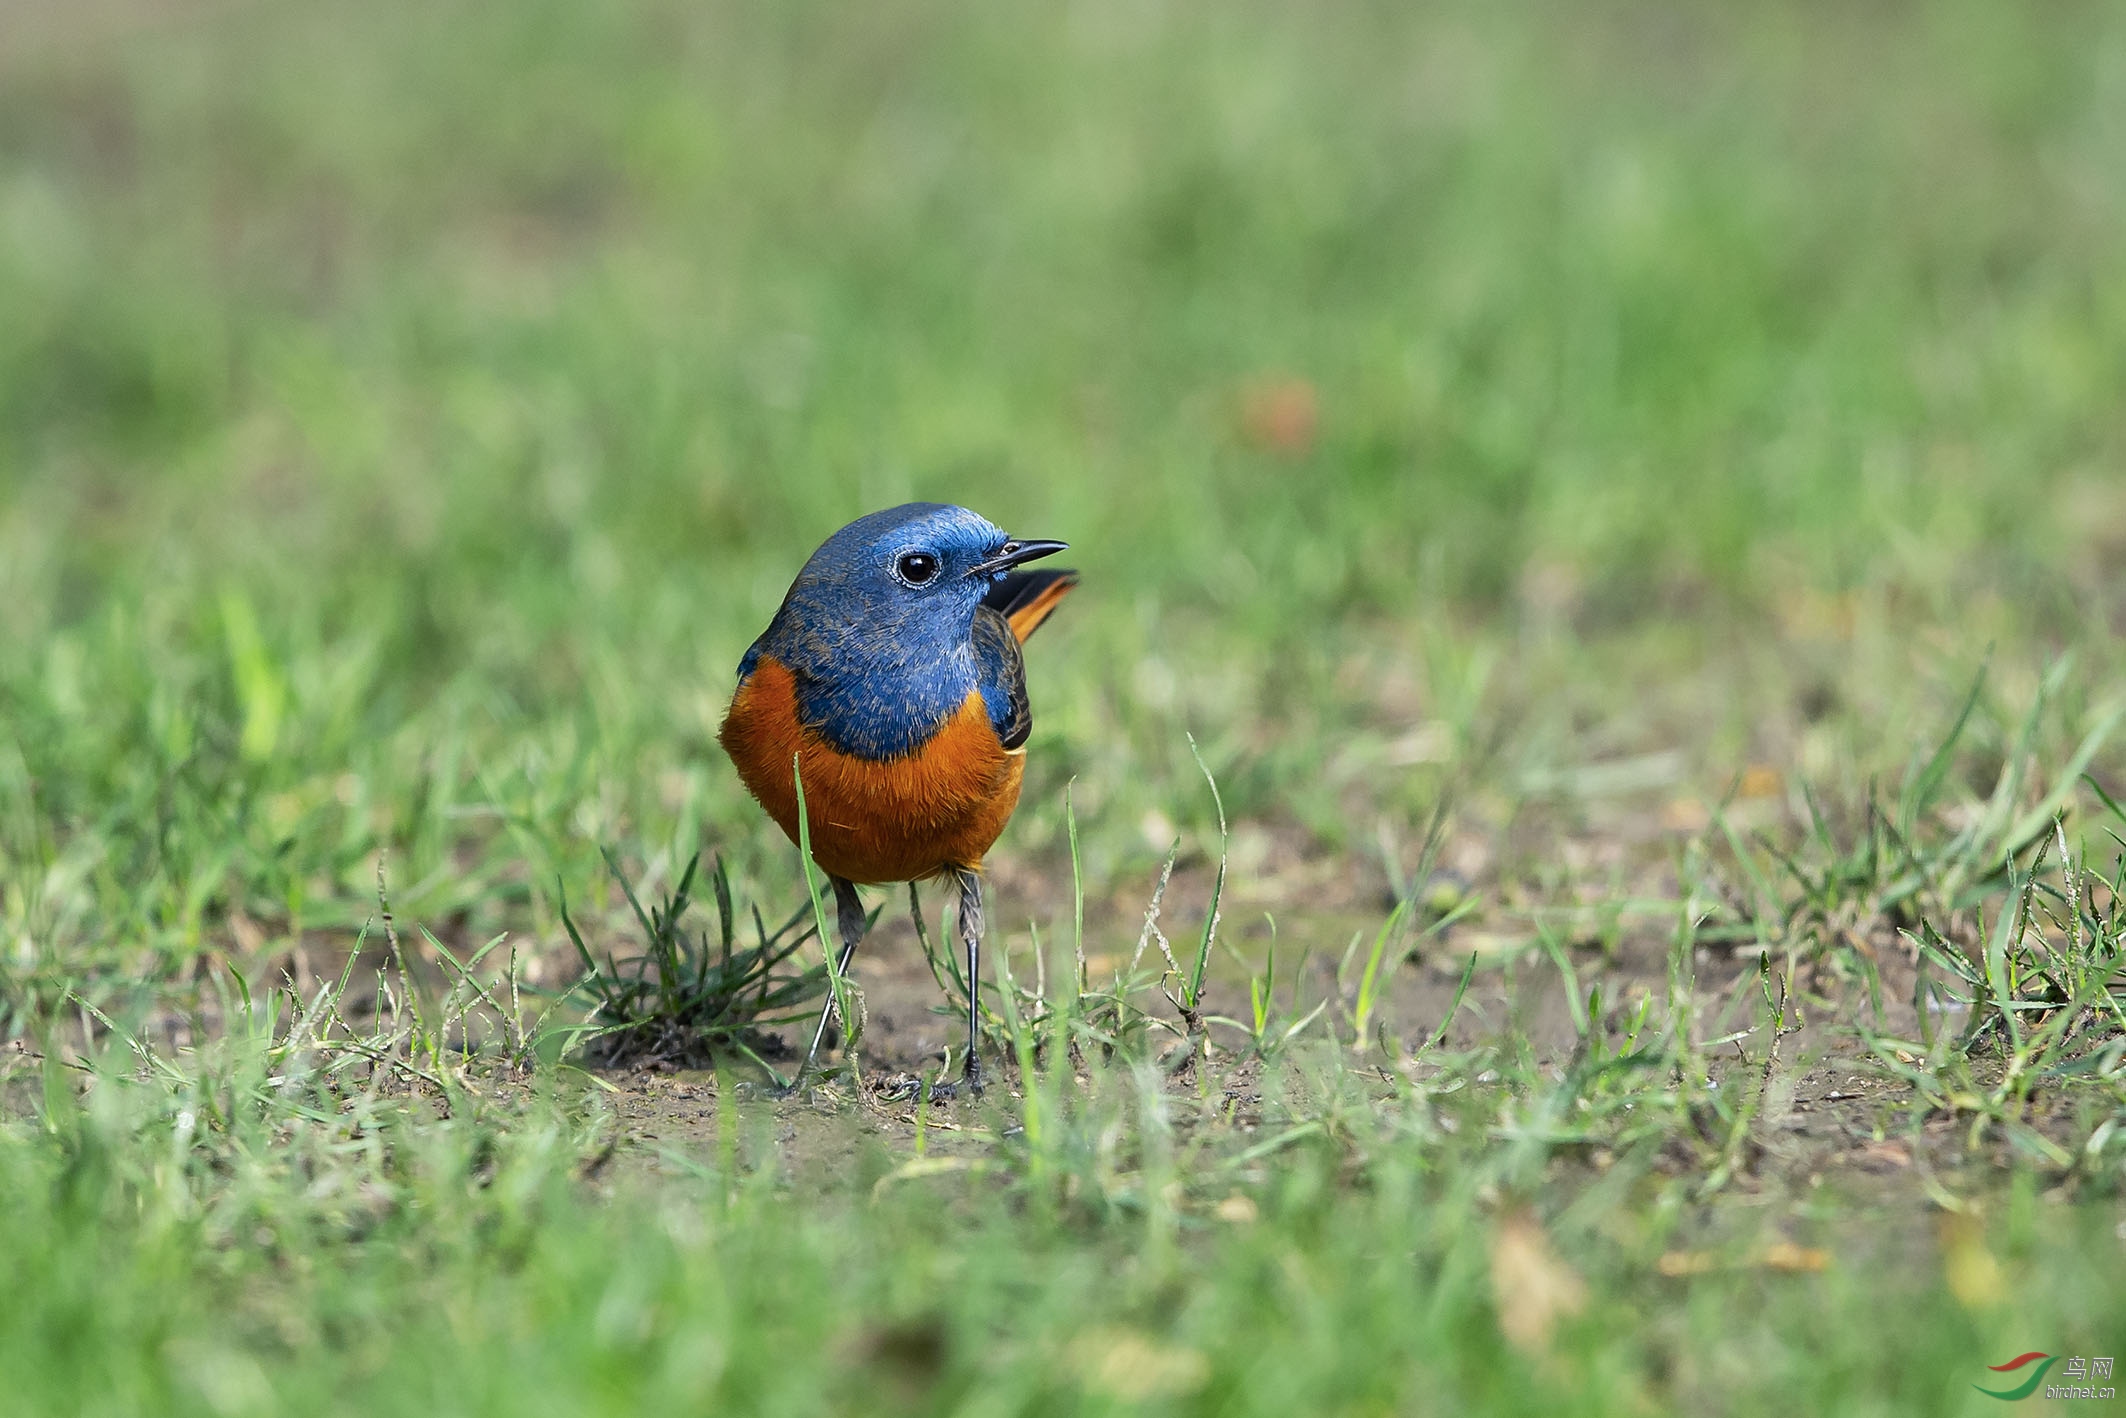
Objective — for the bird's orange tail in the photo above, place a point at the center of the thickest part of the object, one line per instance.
(1025, 598)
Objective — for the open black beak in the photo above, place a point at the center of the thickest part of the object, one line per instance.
(1017, 553)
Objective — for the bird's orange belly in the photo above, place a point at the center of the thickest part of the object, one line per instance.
(901, 819)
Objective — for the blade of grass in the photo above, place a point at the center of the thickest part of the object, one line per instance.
(819, 919)
(1210, 919)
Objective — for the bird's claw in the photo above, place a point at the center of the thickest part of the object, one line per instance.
(908, 1088)
(968, 1083)
(773, 1092)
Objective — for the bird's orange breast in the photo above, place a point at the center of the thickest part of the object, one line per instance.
(898, 819)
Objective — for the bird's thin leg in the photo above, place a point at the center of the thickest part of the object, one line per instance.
(849, 912)
(971, 931)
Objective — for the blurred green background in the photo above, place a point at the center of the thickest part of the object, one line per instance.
(409, 412)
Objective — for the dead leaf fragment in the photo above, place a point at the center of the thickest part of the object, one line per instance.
(1885, 1154)
(1685, 815)
(1778, 1255)
(1531, 1287)
(1760, 780)
(1975, 1277)
(1786, 1256)
(1281, 416)
(1679, 1263)
(1126, 1366)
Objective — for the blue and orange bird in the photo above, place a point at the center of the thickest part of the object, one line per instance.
(892, 678)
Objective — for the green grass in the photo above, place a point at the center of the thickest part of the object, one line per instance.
(679, 1000)
(274, 1222)
(1619, 434)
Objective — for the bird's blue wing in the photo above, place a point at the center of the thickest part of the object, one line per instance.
(1001, 673)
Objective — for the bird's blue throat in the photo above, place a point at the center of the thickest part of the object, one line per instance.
(873, 692)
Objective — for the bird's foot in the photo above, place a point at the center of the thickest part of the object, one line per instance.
(910, 1088)
(900, 1088)
(969, 1085)
(772, 1091)
(807, 1078)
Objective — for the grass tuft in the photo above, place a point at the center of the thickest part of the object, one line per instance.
(683, 1001)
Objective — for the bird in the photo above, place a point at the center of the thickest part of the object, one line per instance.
(892, 679)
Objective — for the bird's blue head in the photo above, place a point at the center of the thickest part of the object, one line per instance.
(878, 625)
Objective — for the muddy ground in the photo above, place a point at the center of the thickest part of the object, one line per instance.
(1829, 1115)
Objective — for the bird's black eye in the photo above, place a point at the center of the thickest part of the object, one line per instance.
(916, 568)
